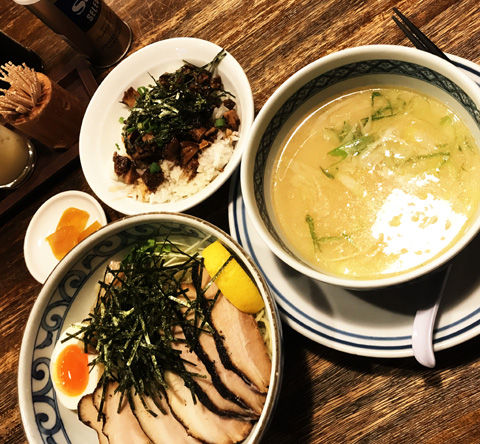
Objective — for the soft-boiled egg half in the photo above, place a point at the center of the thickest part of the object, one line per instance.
(71, 375)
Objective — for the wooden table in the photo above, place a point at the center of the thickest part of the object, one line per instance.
(327, 396)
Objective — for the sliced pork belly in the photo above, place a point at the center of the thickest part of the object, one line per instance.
(230, 379)
(243, 342)
(97, 396)
(123, 427)
(88, 414)
(244, 387)
(194, 365)
(163, 428)
(198, 420)
(211, 362)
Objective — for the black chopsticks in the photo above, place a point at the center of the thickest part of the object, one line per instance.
(417, 37)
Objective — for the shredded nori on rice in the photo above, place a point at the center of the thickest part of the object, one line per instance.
(171, 108)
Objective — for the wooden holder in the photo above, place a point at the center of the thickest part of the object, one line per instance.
(56, 120)
(76, 77)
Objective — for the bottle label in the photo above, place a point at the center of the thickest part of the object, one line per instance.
(84, 13)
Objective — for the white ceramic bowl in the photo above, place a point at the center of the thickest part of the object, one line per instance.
(68, 295)
(327, 77)
(101, 129)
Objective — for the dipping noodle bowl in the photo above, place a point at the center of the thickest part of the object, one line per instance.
(363, 168)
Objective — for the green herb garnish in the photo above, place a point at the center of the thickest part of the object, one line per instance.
(443, 155)
(311, 226)
(345, 131)
(328, 173)
(220, 123)
(352, 148)
(446, 120)
(364, 121)
(154, 167)
(374, 95)
(382, 107)
(317, 241)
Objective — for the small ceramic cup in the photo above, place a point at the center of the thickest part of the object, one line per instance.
(18, 158)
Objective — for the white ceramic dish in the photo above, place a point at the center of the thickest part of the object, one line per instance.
(67, 296)
(327, 77)
(101, 128)
(38, 255)
(376, 324)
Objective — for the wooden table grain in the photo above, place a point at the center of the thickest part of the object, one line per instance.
(327, 396)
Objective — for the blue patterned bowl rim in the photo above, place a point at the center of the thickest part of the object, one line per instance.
(39, 409)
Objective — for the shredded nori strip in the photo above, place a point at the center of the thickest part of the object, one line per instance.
(174, 105)
(133, 324)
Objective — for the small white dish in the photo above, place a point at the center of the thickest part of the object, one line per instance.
(101, 128)
(36, 250)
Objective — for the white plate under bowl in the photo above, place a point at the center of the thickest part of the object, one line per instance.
(38, 255)
(101, 129)
(367, 323)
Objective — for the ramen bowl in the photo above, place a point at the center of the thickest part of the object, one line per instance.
(378, 66)
(69, 294)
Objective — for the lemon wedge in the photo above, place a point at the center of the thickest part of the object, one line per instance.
(233, 281)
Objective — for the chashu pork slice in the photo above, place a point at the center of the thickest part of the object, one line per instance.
(97, 396)
(244, 391)
(194, 365)
(88, 414)
(243, 342)
(226, 382)
(163, 428)
(198, 420)
(121, 427)
(245, 388)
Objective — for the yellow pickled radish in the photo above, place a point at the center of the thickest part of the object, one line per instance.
(233, 281)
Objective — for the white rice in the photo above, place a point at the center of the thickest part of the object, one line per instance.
(176, 186)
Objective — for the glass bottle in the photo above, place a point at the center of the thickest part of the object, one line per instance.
(89, 26)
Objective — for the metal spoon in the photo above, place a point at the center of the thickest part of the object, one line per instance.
(422, 335)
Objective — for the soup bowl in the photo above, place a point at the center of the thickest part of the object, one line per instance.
(327, 78)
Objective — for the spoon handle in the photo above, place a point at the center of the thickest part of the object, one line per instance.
(422, 335)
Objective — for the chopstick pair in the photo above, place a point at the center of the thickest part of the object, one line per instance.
(417, 37)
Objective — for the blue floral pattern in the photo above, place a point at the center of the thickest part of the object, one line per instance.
(47, 415)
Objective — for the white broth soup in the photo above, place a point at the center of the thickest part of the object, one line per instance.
(375, 182)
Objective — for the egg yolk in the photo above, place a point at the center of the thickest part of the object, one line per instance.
(71, 370)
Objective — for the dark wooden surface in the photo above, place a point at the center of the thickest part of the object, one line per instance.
(327, 396)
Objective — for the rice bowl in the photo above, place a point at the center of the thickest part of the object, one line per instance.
(101, 130)
(177, 186)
